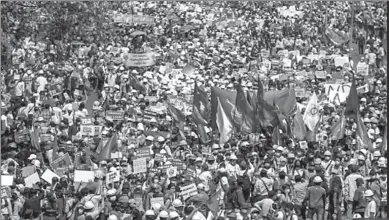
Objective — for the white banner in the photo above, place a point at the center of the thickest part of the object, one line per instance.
(140, 60)
(337, 93)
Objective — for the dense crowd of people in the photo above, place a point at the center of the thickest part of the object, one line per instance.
(88, 131)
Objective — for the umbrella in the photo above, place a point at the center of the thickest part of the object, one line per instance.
(137, 33)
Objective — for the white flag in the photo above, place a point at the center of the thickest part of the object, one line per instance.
(223, 124)
(311, 115)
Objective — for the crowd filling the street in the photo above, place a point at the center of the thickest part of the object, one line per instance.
(170, 110)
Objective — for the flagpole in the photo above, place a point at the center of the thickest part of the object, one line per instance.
(352, 24)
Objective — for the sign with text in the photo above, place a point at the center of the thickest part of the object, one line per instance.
(140, 60)
(188, 191)
(140, 165)
(115, 115)
(363, 69)
(143, 152)
(113, 177)
(91, 130)
(337, 92)
(133, 19)
(62, 162)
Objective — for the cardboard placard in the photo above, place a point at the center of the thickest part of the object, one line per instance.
(159, 157)
(62, 162)
(140, 60)
(115, 115)
(32, 179)
(112, 177)
(84, 176)
(188, 191)
(140, 165)
(46, 137)
(7, 180)
(27, 171)
(48, 176)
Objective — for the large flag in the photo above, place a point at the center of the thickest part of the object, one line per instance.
(179, 119)
(111, 145)
(338, 129)
(201, 102)
(243, 113)
(352, 102)
(265, 113)
(363, 140)
(299, 129)
(336, 37)
(311, 115)
(227, 100)
(284, 99)
(55, 148)
(277, 137)
(385, 141)
(134, 82)
(223, 124)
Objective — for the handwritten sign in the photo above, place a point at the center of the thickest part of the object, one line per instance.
(115, 115)
(188, 191)
(157, 200)
(62, 162)
(140, 165)
(337, 92)
(140, 60)
(363, 69)
(113, 177)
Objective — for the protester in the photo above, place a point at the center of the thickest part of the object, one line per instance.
(211, 110)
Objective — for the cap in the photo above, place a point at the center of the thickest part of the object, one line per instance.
(317, 179)
(361, 157)
(198, 159)
(112, 217)
(160, 139)
(111, 192)
(173, 214)
(376, 154)
(327, 153)
(150, 138)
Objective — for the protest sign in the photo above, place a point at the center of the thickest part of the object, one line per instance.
(159, 157)
(32, 179)
(86, 121)
(300, 92)
(151, 98)
(265, 53)
(340, 61)
(140, 60)
(84, 176)
(363, 89)
(266, 65)
(157, 200)
(337, 92)
(116, 155)
(143, 152)
(90, 130)
(171, 172)
(62, 162)
(5, 192)
(46, 137)
(48, 176)
(20, 137)
(115, 115)
(112, 177)
(177, 163)
(303, 145)
(7, 180)
(148, 115)
(362, 69)
(133, 19)
(56, 89)
(27, 171)
(188, 191)
(321, 74)
(140, 165)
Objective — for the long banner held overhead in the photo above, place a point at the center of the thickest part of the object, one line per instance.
(133, 19)
(140, 60)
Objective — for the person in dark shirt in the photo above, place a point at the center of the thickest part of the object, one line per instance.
(32, 206)
(361, 43)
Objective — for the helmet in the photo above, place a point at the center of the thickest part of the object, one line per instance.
(163, 214)
(112, 217)
(356, 216)
(173, 214)
(233, 157)
(327, 153)
(317, 179)
(361, 157)
(177, 203)
(376, 154)
(368, 193)
(149, 213)
(89, 205)
(317, 161)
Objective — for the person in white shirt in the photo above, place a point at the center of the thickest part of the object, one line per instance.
(371, 208)
(42, 81)
(232, 168)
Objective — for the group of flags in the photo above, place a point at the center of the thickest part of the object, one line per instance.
(254, 112)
